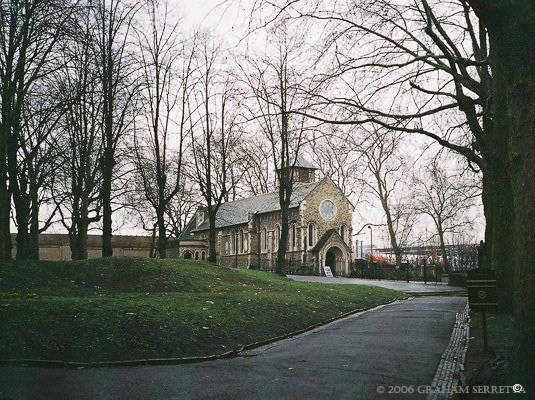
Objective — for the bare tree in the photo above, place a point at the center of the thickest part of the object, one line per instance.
(113, 24)
(166, 74)
(180, 211)
(30, 33)
(383, 176)
(255, 166)
(79, 144)
(336, 158)
(38, 164)
(275, 86)
(445, 199)
(214, 134)
(428, 68)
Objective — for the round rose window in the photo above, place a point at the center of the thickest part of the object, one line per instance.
(327, 209)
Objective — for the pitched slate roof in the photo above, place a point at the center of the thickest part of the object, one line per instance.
(237, 212)
(186, 232)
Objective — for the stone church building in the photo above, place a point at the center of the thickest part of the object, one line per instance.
(248, 230)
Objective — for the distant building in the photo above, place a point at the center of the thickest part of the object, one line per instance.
(248, 230)
(55, 246)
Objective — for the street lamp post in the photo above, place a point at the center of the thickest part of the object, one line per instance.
(371, 239)
(371, 250)
(425, 270)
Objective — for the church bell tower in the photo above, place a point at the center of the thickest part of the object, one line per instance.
(302, 171)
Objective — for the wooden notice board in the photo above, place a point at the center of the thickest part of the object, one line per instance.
(481, 284)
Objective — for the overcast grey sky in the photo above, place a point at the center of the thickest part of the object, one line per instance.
(228, 20)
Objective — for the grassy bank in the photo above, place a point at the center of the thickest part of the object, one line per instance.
(130, 308)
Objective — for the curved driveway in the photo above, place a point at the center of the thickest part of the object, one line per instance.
(396, 344)
(413, 287)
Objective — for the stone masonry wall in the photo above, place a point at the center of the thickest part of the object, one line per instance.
(327, 190)
(259, 248)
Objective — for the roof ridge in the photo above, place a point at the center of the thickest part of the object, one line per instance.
(297, 184)
(237, 212)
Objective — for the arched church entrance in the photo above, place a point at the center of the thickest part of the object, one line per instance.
(334, 259)
(187, 255)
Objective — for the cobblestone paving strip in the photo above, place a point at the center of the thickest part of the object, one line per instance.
(450, 369)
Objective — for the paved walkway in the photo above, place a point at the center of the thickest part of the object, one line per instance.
(411, 287)
(397, 344)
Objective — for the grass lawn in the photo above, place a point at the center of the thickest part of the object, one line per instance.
(124, 308)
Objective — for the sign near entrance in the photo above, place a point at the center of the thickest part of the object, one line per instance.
(328, 272)
(481, 284)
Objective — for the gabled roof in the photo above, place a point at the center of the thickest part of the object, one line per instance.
(237, 212)
(186, 233)
(321, 242)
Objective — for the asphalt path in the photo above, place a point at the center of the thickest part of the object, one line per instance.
(396, 344)
(413, 287)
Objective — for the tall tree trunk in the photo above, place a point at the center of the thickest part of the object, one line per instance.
(22, 208)
(78, 242)
(34, 225)
(445, 260)
(5, 205)
(78, 230)
(212, 256)
(498, 209)
(162, 234)
(108, 163)
(5, 133)
(285, 193)
(152, 250)
(390, 226)
(107, 172)
(283, 242)
(511, 27)
(22, 203)
(18, 187)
